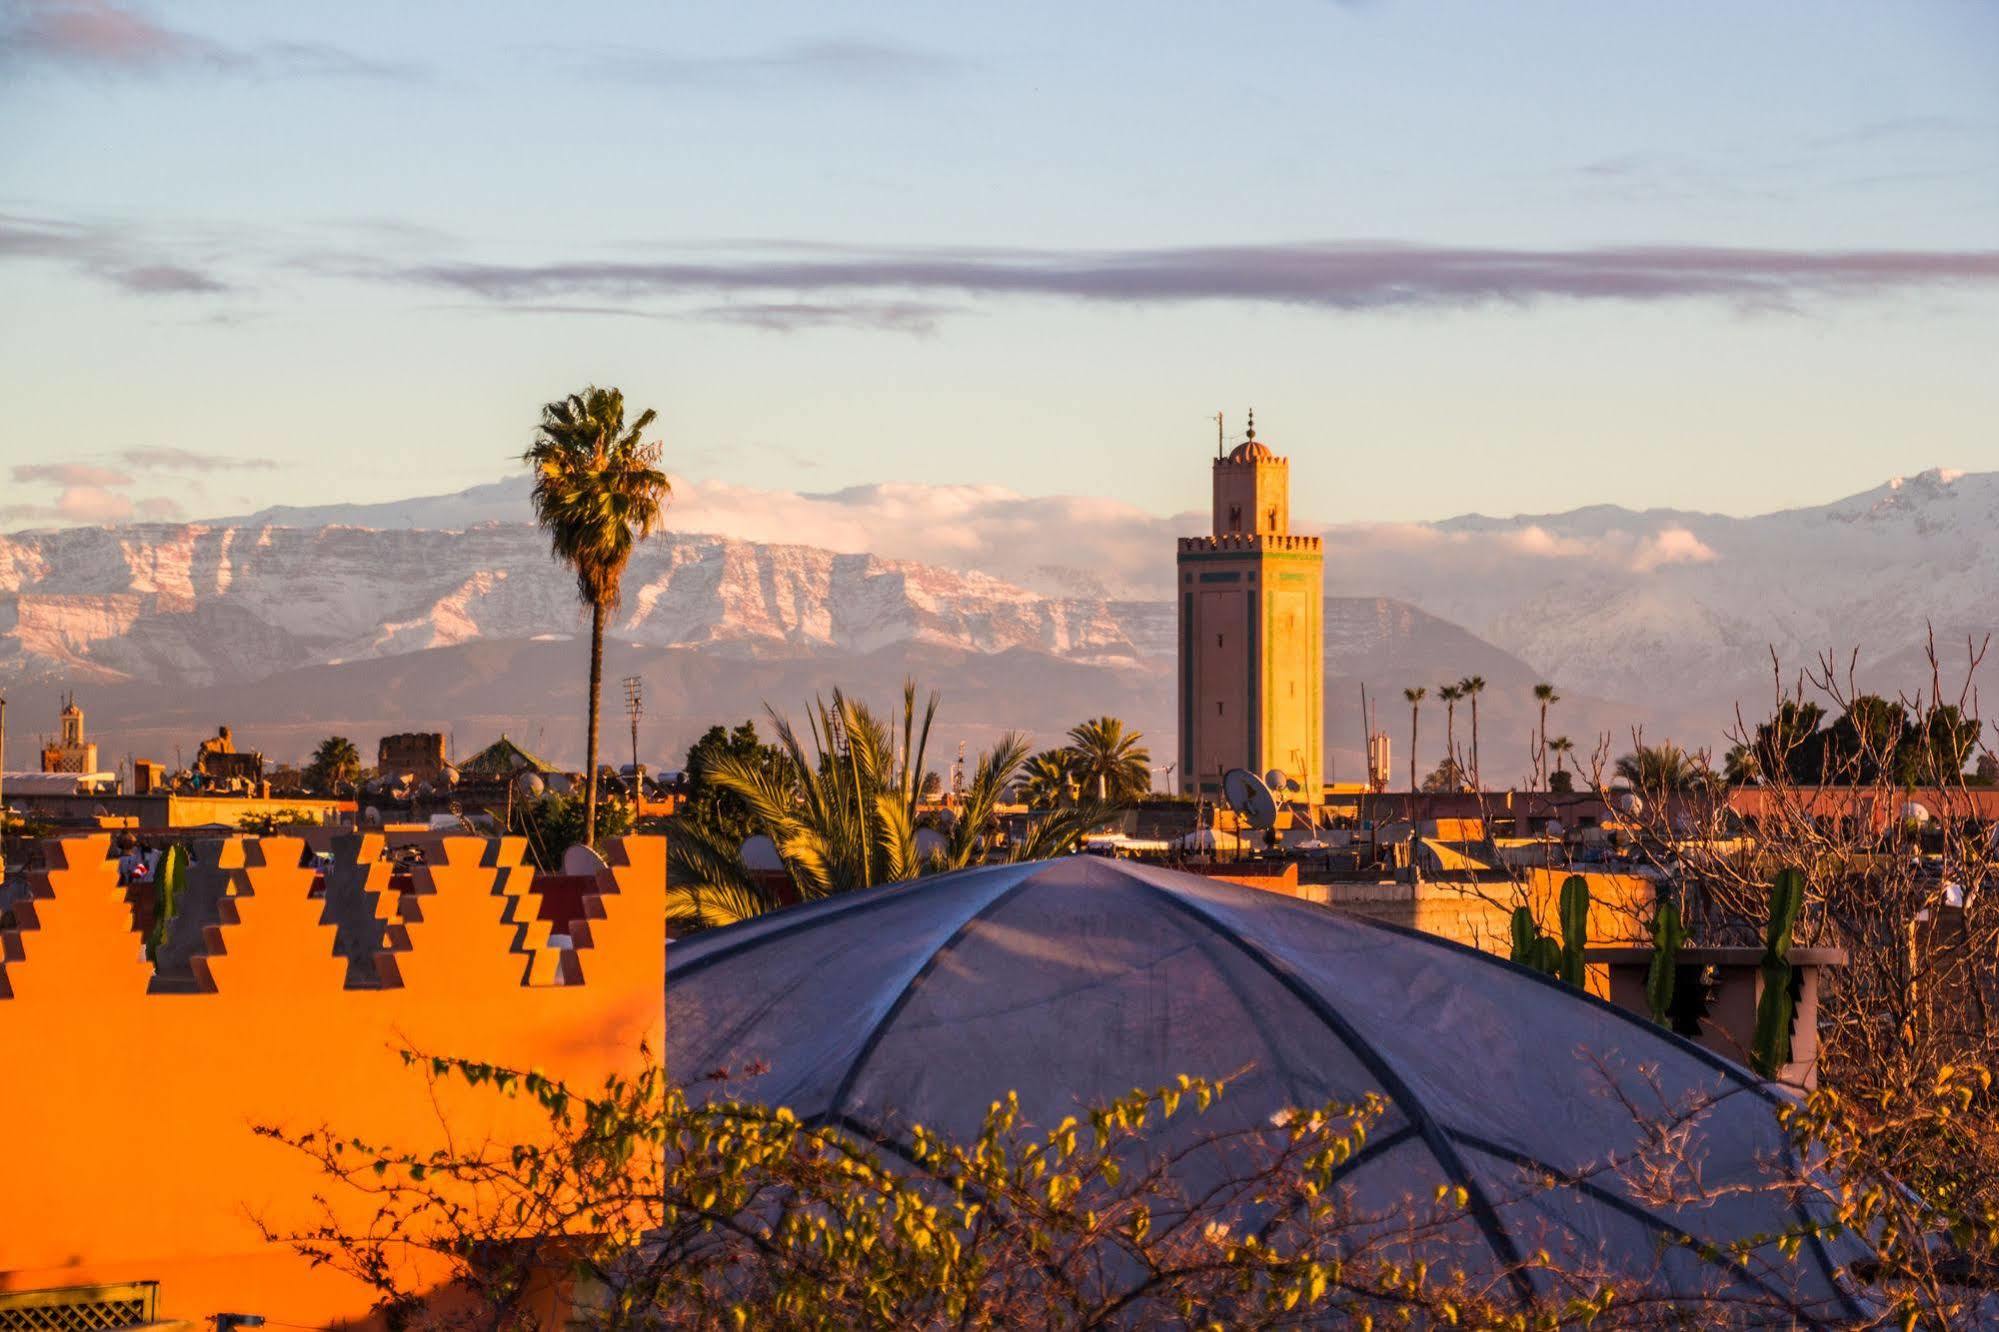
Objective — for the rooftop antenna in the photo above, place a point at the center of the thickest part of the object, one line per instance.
(1221, 439)
(1366, 736)
(635, 706)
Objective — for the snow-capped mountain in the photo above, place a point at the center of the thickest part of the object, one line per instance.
(1675, 613)
(201, 604)
(1669, 605)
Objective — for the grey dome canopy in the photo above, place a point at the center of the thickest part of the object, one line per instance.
(1076, 980)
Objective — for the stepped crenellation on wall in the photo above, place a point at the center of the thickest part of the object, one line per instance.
(251, 913)
(289, 998)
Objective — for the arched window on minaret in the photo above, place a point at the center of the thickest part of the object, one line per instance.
(1235, 517)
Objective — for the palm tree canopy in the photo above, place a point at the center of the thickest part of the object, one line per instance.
(1044, 779)
(1416, 694)
(1450, 693)
(598, 488)
(1546, 693)
(1102, 750)
(1471, 686)
(1664, 767)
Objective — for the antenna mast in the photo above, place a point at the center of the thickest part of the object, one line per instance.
(635, 707)
(1221, 439)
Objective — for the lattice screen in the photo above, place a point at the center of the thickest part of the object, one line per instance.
(79, 1308)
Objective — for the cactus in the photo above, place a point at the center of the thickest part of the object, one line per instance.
(1575, 929)
(1531, 948)
(1525, 932)
(1668, 937)
(168, 885)
(1771, 1049)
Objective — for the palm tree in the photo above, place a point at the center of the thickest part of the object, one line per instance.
(1546, 696)
(1473, 686)
(335, 763)
(844, 816)
(1451, 693)
(1415, 694)
(1560, 746)
(1104, 754)
(1739, 766)
(1660, 769)
(1045, 780)
(598, 491)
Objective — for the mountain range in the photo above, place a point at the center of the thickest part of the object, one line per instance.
(447, 612)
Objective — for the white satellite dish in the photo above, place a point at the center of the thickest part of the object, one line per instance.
(1250, 797)
(1277, 780)
(581, 860)
(1915, 811)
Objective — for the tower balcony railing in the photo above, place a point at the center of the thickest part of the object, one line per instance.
(1249, 541)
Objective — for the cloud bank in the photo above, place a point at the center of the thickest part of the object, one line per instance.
(1347, 276)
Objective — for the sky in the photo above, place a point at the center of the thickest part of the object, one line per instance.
(1459, 257)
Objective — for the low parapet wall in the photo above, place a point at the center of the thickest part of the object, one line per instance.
(128, 1106)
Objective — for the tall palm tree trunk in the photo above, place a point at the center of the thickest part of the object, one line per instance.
(596, 689)
(1451, 744)
(1414, 712)
(1476, 785)
(1541, 754)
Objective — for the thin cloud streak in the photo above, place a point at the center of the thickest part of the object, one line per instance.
(1334, 276)
(162, 458)
(845, 60)
(70, 474)
(111, 254)
(105, 37)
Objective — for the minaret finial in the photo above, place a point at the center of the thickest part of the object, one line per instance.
(1252, 423)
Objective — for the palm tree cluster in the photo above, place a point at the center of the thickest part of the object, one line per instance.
(1452, 774)
(1103, 762)
(843, 810)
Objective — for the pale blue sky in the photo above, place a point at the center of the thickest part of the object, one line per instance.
(1458, 256)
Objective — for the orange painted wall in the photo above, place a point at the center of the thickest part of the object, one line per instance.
(127, 1116)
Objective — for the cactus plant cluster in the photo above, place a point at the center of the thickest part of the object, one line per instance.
(1561, 959)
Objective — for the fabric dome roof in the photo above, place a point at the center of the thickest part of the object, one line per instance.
(1076, 980)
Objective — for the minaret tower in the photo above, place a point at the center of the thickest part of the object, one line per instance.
(1252, 633)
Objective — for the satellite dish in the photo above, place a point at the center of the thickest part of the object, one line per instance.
(580, 860)
(448, 775)
(1277, 780)
(1629, 803)
(529, 785)
(1250, 797)
(1915, 812)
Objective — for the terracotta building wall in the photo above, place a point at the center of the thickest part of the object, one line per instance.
(128, 1115)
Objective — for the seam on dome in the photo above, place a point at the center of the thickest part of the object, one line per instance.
(1418, 1115)
(887, 894)
(1620, 1204)
(836, 1104)
(1742, 1078)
